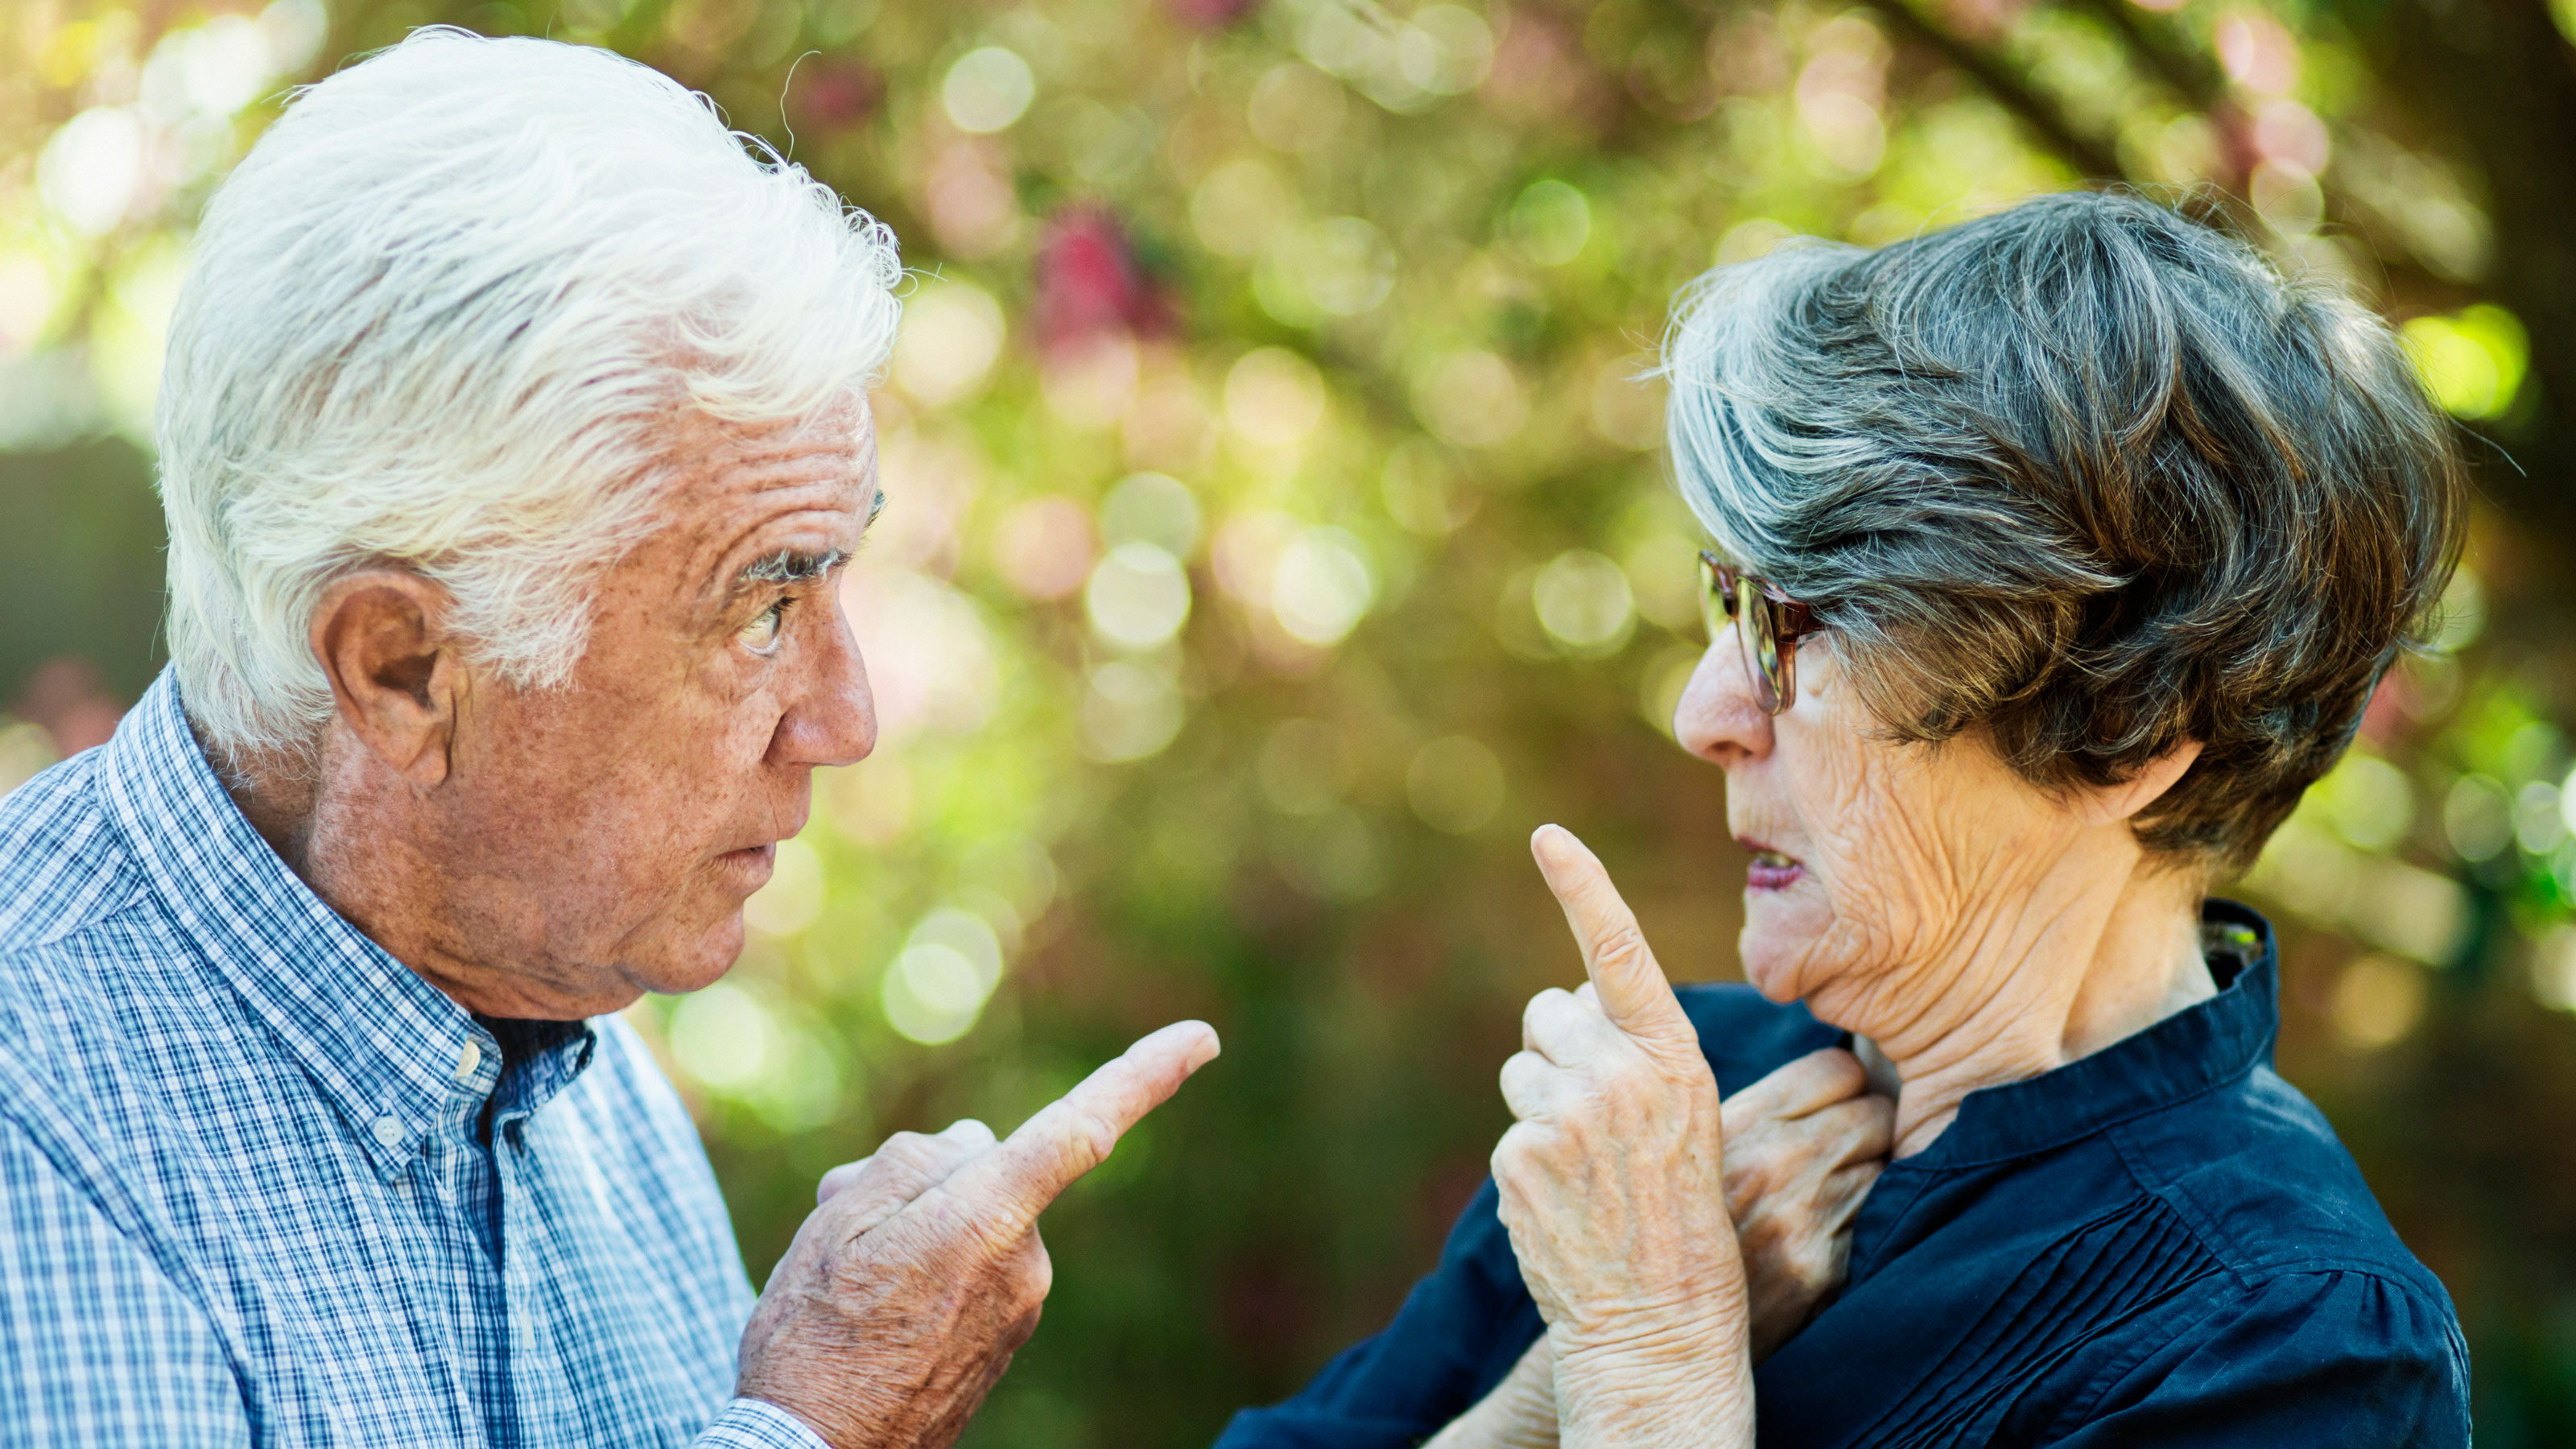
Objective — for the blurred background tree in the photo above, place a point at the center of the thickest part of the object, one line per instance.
(1277, 534)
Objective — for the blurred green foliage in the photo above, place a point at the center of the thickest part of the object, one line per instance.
(1277, 535)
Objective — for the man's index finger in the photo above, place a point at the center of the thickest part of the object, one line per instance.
(1074, 1133)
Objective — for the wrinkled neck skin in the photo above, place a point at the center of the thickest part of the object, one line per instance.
(2000, 1003)
(354, 835)
(275, 794)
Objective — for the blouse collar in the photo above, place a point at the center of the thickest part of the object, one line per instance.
(2196, 1050)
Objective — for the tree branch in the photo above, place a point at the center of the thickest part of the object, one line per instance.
(2185, 72)
(2041, 115)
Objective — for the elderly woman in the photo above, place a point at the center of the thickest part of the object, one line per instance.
(2056, 555)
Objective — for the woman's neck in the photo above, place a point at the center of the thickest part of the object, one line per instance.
(2014, 1009)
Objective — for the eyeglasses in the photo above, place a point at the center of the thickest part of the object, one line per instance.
(1770, 626)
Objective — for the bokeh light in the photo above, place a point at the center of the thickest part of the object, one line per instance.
(1278, 528)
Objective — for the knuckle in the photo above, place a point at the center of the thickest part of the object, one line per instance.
(1810, 1138)
(1037, 1279)
(1515, 1159)
(995, 1239)
(909, 1150)
(1759, 1175)
(955, 1221)
(1095, 1135)
(1836, 1070)
(1624, 1071)
(1623, 944)
(1739, 1120)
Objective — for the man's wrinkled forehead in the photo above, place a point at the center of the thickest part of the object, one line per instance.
(808, 487)
(702, 452)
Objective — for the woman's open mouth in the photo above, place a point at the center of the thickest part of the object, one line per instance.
(1771, 871)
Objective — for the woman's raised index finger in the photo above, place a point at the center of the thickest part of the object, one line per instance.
(1630, 985)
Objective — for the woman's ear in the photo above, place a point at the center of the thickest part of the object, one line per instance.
(2108, 803)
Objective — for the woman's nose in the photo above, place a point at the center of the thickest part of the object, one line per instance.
(1718, 718)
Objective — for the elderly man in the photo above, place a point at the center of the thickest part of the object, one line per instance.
(513, 437)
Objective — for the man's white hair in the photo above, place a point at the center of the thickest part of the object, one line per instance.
(440, 316)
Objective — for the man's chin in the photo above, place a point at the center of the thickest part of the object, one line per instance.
(697, 961)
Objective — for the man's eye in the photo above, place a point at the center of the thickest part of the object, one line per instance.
(761, 634)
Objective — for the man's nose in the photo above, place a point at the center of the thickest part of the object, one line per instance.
(834, 722)
(1718, 718)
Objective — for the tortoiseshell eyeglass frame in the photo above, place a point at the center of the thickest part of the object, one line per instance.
(1772, 624)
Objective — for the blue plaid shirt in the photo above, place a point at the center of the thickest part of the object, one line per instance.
(261, 1184)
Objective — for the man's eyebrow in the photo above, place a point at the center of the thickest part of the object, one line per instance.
(790, 566)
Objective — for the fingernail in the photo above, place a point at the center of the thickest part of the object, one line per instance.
(1208, 1049)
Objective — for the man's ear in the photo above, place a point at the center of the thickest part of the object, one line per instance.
(2124, 800)
(381, 637)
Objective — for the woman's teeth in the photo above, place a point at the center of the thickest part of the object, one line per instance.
(1772, 871)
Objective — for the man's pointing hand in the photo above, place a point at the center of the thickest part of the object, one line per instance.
(906, 1292)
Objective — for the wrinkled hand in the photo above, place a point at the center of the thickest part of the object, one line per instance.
(920, 1272)
(1803, 1146)
(1610, 1189)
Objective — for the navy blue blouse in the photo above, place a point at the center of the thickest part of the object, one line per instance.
(2162, 1243)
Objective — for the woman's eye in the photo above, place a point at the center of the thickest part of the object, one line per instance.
(761, 634)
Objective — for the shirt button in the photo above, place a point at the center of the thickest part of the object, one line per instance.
(388, 1131)
(467, 1060)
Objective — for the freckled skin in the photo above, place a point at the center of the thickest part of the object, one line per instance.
(1977, 928)
(559, 852)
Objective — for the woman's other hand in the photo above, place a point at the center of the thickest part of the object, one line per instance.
(1803, 1146)
(1610, 1189)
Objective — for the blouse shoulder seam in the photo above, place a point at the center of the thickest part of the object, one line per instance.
(2122, 1366)
(2235, 1257)
(2239, 1292)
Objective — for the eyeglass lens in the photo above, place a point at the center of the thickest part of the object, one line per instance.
(1760, 636)
(1729, 595)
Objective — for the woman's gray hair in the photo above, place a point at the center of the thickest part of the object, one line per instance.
(2084, 475)
(442, 317)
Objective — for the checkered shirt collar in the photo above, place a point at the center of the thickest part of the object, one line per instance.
(382, 1043)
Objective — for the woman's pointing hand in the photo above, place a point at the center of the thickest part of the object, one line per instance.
(1610, 1187)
